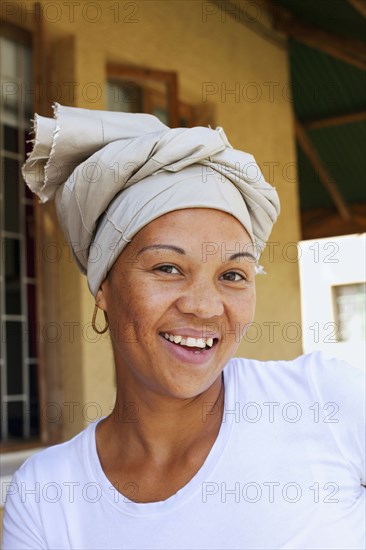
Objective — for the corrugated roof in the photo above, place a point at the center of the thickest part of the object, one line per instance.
(335, 16)
(342, 152)
(324, 86)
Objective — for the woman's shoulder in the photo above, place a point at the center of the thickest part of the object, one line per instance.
(330, 385)
(314, 372)
(326, 395)
(57, 461)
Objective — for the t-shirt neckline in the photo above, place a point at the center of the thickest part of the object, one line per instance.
(193, 486)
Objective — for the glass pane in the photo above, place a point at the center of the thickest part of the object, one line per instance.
(29, 236)
(11, 194)
(12, 276)
(28, 82)
(350, 301)
(124, 97)
(161, 114)
(9, 84)
(9, 101)
(15, 418)
(34, 399)
(11, 139)
(14, 357)
(32, 324)
(9, 66)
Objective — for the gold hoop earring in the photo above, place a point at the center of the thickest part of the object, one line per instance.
(94, 319)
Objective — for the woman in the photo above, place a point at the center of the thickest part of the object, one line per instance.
(201, 450)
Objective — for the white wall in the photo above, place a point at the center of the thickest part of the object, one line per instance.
(325, 263)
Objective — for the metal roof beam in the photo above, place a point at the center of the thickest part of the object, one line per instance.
(359, 5)
(346, 49)
(314, 159)
(337, 120)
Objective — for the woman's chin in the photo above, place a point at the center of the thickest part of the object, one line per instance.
(187, 387)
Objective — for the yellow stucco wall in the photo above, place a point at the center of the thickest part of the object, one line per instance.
(209, 52)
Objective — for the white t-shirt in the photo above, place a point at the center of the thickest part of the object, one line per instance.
(287, 471)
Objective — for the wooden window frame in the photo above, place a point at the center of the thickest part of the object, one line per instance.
(195, 116)
(136, 74)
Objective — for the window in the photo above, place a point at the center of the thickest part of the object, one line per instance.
(350, 308)
(18, 351)
(138, 90)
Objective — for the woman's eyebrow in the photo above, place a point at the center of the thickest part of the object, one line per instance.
(243, 255)
(162, 246)
(181, 251)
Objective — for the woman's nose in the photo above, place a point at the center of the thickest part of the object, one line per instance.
(201, 299)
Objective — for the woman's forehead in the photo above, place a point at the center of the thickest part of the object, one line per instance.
(199, 234)
(196, 225)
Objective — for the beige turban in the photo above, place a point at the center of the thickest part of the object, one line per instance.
(113, 173)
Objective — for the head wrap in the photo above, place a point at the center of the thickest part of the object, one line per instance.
(112, 173)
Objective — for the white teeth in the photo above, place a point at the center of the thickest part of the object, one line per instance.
(189, 341)
(195, 342)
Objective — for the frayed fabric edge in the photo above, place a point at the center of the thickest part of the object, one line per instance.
(55, 109)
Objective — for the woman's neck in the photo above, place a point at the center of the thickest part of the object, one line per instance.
(147, 427)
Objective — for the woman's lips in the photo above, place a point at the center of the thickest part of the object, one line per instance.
(189, 341)
(195, 356)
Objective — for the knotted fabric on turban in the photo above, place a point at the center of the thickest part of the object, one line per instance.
(113, 173)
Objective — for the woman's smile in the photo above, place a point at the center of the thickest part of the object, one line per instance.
(195, 351)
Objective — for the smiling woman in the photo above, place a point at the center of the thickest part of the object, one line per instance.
(201, 450)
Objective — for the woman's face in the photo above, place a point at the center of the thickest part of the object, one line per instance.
(188, 276)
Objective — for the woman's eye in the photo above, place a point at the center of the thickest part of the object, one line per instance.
(168, 269)
(233, 276)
